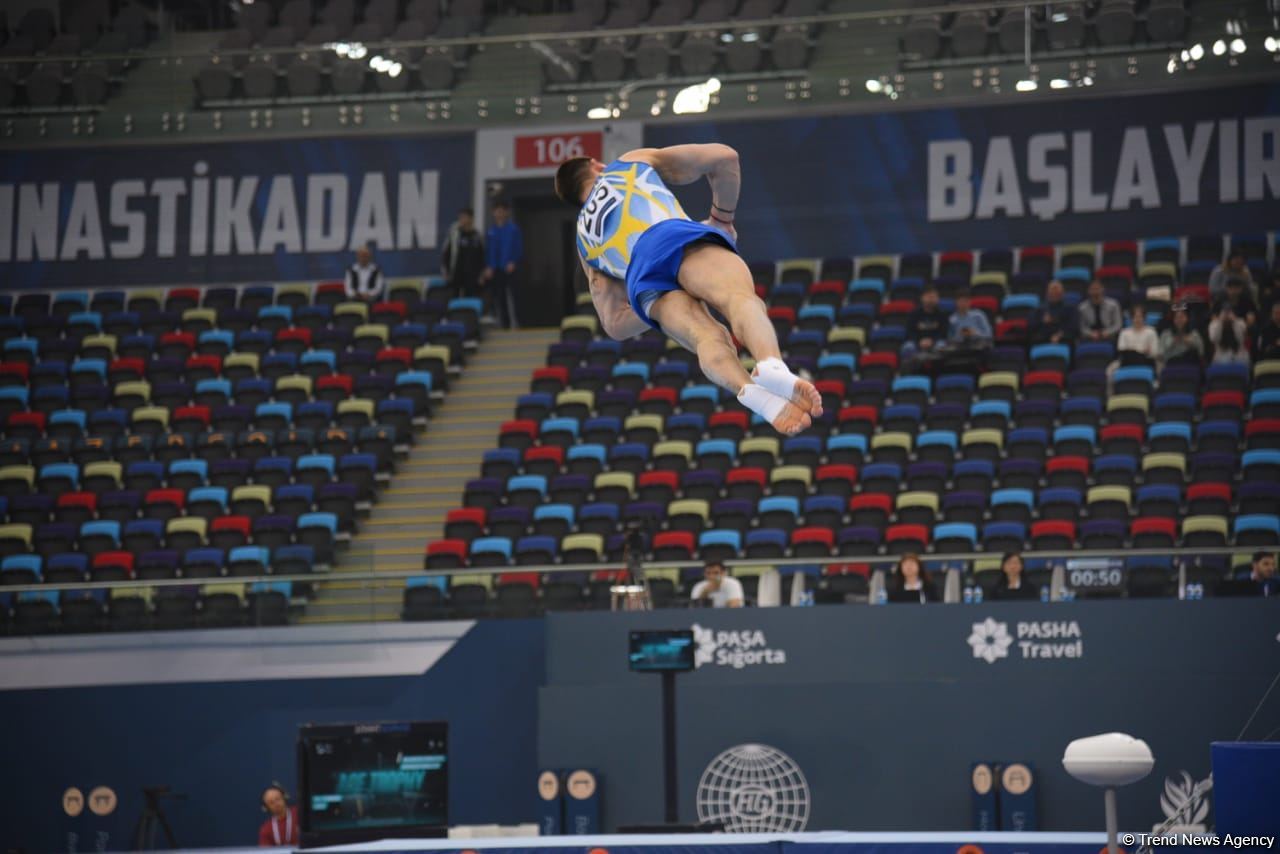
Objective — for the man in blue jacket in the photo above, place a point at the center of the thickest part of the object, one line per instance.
(504, 250)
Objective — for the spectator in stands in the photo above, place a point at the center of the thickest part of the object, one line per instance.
(281, 827)
(927, 327)
(1138, 344)
(1235, 266)
(462, 258)
(1227, 335)
(1180, 344)
(504, 251)
(968, 328)
(1268, 343)
(1054, 321)
(364, 278)
(1261, 581)
(1011, 584)
(717, 588)
(909, 582)
(1242, 304)
(1100, 317)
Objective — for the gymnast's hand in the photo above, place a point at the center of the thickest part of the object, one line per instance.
(726, 227)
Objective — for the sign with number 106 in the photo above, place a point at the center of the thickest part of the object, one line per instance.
(537, 152)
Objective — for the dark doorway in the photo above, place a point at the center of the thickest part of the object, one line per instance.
(551, 277)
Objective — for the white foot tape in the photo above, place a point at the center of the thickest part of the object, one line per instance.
(761, 401)
(776, 377)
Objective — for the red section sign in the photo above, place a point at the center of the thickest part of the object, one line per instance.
(539, 152)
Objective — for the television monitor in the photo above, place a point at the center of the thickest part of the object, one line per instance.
(366, 781)
(662, 650)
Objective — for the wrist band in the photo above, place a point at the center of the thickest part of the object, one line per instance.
(722, 210)
(718, 219)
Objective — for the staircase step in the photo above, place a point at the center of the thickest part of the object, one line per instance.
(410, 511)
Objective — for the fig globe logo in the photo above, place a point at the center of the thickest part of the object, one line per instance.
(754, 788)
(990, 640)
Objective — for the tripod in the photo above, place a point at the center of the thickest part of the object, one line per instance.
(153, 819)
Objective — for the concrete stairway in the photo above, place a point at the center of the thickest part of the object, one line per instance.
(410, 512)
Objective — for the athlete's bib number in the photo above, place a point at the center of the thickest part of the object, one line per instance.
(603, 202)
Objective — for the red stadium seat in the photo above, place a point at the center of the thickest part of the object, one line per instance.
(673, 545)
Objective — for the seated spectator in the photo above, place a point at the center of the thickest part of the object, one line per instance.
(1242, 304)
(1054, 321)
(968, 328)
(717, 589)
(1268, 343)
(1227, 337)
(1099, 315)
(1012, 584)
(363, 280)
(1138, 340)
(1262, 580)
(1180, 343)
(927, 327)
(1235, 266)
(909, 583)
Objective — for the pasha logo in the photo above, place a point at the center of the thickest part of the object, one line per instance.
(1180, 799)
(736, 649)
(992, 640)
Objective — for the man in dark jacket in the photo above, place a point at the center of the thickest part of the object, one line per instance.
(462, 255)
(1054, 322)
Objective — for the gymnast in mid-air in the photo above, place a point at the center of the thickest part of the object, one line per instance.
(650, 266)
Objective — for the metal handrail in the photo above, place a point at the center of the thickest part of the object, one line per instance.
(551, 569)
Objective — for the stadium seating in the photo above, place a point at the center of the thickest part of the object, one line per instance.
(206, 455)
(1049, 448)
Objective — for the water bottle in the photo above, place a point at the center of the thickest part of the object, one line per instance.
(1195, 591)
(977, 595)
(882, 597)
(968, 596)
(1044, 594)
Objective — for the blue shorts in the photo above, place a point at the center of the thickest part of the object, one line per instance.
(656, 258)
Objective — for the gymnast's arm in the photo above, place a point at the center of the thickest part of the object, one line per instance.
(610, 299)
(684, 164)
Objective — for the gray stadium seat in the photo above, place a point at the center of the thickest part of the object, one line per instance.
(339, 14)
(296, 14)
(321, 34)
(698, 53)
(1012, 30)
(380, 16)
(369, 31)
(608, 59)
(1066, 26)
(1115, 23)
(741, 57)
(39, 26)
(1166, 20)
(436, 71)
(259, 79)
(593, 11)
(132, 22)
(215, 81)
(44, 84)
(969, 34)
(411, 30)
(89, 84)
(87, 21)
(425, 11)
(653, 55)
(791, 47)
(713, 12)
(305, 76)
(113, 44)
(922, 38)
(8, 87)
(255, 20)
(349, 76)
(235, 42)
